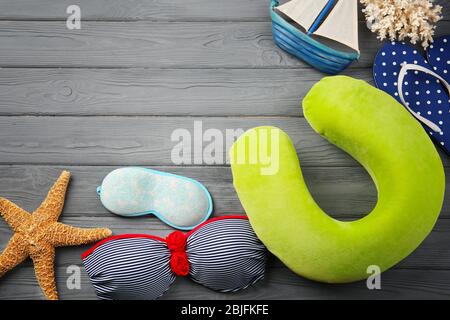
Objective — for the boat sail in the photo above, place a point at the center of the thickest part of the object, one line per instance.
(303, 12)
(336, 20)
(333, 19)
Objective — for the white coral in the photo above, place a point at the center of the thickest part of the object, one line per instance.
(401, 19)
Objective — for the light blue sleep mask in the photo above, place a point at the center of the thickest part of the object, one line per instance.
(180, 202)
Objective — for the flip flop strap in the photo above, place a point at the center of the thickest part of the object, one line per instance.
(407, 67)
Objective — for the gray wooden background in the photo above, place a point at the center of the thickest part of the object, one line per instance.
(111, 94)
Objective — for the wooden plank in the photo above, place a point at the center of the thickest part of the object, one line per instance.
(145, 140)
(140, 44)
(155, 44)
(343, 192)
(395, 284)
(134, 140)
(123, 10)
(428, 278)
(432, 254)
(180, 92)
(279, 283)
(152, 44)
(130, 137)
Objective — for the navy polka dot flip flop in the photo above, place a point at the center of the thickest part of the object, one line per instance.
(402, 71)
(439, 56)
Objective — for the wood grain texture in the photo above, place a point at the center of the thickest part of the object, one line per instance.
(112, 93)
(124, 10)
(156, 44)
(331, 186)
(151, 44)
(181, 92)
(432, 254)
(145, 140)
(343, 192)
(279, 283)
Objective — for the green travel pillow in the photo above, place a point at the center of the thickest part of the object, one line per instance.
(380, 134)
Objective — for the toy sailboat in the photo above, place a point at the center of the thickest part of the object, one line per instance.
(323, 33)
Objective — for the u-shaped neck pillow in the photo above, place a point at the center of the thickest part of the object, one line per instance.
(222, 254)
(381, 135)
(180, 202)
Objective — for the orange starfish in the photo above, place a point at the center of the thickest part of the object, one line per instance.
(36, 235)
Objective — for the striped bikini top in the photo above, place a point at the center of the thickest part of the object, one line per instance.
(222, 254)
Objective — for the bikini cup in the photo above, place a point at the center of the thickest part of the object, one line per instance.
(223, 254)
